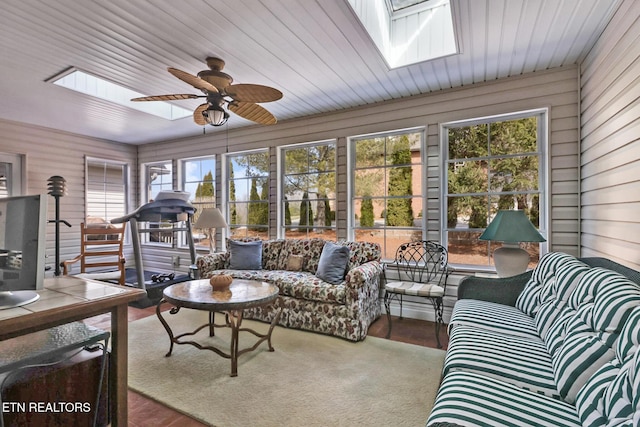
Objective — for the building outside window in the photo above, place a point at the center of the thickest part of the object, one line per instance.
(492, 164)
(248, 194)
(387, 202)
(308, 186)
(158, 177)
(198, 179)
(107, 190)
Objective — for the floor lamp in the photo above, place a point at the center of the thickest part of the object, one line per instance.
(209, 220)
(511, 228)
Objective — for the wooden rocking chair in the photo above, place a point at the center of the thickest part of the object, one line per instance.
(101, 246)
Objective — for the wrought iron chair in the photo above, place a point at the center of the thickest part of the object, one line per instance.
(421, 270)
(101, 246)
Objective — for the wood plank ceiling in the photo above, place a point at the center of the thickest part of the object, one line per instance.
(315, 51)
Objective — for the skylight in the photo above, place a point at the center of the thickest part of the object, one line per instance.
(396, 5)
(408, 31)
(95, 86)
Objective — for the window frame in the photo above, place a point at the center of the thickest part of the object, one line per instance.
(226, 170)
(16, 183)
(126, 182)
(145, 238)
(352, 226)
(281, 168)
(182, 175)
(543, 143)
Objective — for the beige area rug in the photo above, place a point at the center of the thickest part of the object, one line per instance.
(309, 380)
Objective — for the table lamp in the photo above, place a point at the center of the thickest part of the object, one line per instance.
(511, 227)
(210, 219)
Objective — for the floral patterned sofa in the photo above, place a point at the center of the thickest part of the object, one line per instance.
(345, 310)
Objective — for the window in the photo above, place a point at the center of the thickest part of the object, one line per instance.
(107, 189)
(158, 177)
(387, 203)
(308, 183)
(11, 174)
(198, 179)
(491, 164)
(248, 190)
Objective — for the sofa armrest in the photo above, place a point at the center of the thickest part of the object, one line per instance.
(365, 273)
(504, 290)
(211, 262)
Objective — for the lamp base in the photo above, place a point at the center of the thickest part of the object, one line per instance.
(510, 260)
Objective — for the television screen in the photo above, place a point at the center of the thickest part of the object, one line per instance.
(23, 221)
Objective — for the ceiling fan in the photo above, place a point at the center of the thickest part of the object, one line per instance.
(217, 88)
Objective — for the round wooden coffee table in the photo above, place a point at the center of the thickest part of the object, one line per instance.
(198, 295)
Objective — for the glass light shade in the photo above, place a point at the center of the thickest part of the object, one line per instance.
(215, 115)
(511, 227)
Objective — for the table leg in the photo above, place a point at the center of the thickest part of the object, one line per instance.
(166, 325)
(119, 369)
(235, 320)
(212, 319)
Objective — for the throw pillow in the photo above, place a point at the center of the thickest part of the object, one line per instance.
(294, 263)
(332, 266)
(245, 255)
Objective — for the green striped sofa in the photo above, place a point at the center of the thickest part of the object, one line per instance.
(344, 310)
(556, 346)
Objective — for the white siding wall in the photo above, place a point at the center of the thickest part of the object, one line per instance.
(556, 89)
(49, 152)
(610, 149)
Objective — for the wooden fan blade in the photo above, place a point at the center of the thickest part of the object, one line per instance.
(197, 114)
(173, 97)
(194, 81)
(253, 112)
(252, 93)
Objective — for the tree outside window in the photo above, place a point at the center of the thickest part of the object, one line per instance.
(490, 166)
(387, 187)
(248, 186)
(309, 189)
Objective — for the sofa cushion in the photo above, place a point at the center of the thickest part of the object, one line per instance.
(581, 355)
(493, 317)
(361, 252)
(523, 362)
(262, 275)
(530, 298)
(296, 284)
(295, 263)
(548, 264)
(245, 255)
(310, 249)
(467, 398)
(304, 285)
(611, 396)
(554, 296)
(271, 253)
(333, 262)
(270, 250)
(602, 302)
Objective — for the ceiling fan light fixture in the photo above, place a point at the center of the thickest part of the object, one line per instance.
(215, 115)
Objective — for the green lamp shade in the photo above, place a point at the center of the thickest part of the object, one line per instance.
(511, 227)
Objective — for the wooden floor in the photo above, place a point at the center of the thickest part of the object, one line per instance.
(144, 412)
